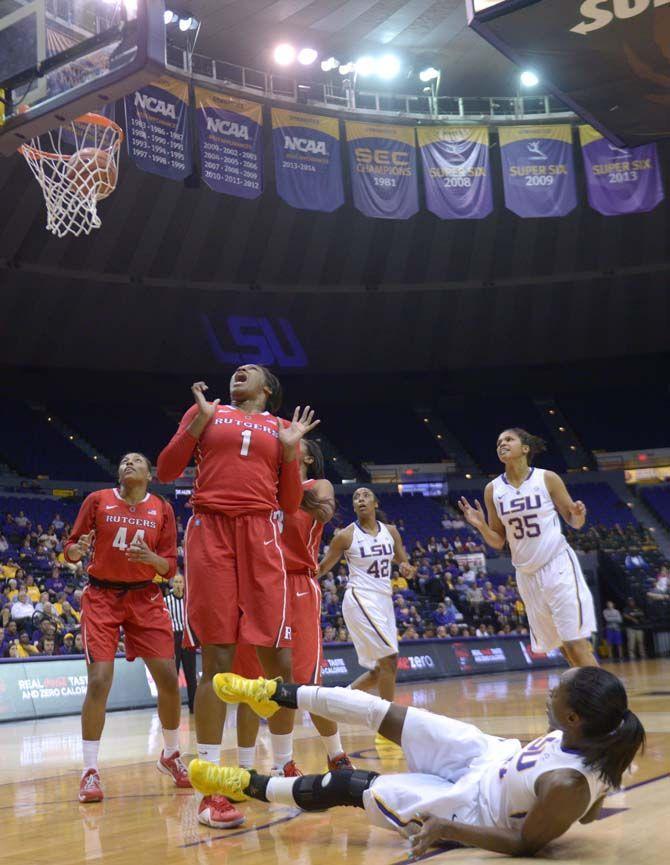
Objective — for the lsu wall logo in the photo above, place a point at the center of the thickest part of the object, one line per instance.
(156, 106)
(227, 127)
(304, 145)
(600, 13)
(255, 340)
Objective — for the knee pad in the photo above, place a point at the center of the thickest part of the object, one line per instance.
(319, 792)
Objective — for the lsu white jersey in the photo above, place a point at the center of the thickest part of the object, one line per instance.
(370, 558)
(507, 790)
(531, 521)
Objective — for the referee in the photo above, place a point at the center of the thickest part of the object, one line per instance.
(174, 601)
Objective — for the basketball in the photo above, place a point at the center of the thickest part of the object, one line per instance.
(92, 170)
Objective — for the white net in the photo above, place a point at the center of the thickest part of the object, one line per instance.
(76, 165)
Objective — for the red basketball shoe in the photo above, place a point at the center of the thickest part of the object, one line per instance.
(219, 813)
(290, 770)
(174, 766)
(340, 762)
(90, 788)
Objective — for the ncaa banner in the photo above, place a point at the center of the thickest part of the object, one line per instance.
(456, 173)
(230, 141)
(620, 180)
(383, 169)
(538, 170)
(157, 129)
(308, 167)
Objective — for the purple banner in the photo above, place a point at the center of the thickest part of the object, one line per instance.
(383, 170)
(456, 172)
(308, 165)
(620, 180)
(231, 145)
(157, 129)
(538, 170)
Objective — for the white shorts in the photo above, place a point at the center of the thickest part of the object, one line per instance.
(446, 759)
(558, 603)
(370, 620)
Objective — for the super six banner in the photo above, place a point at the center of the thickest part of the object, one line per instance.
(456, 173)
(620, 180)
(231, 143)
(383, 169)
(157, 128)
(538, 170)
(308, 165)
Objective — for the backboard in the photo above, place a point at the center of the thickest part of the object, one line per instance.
(62, 58)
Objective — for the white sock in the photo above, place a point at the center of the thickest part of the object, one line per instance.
(280, 790)
(170, 742)
(211, 753)
(333, 744)
(282, 749)
(343, 704)
(246, 757)
(90, 750)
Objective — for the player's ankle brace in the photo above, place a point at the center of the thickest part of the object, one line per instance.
(257, 787)
(318, 792)
(287, 696)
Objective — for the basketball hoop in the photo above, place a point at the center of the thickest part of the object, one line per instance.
(76, 166)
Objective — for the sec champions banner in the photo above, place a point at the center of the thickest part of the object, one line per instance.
(231, 146)
(308, 166)
(538, 170)
(157, 129)
(620, 180)
(383, 169)
(456, 173)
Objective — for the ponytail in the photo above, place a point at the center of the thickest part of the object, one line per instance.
(536, 444)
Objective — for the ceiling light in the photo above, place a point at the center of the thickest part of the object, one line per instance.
(185, 24)
(429, 74)
(330, 64)
(388, 66)
(528, 79)
(284, 54)
(307, 56)
(170, 17)
(346, 68)
(365, 66)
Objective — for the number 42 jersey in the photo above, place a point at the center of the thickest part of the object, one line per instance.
(369, 559)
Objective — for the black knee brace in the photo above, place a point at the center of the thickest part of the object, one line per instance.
(319, 792)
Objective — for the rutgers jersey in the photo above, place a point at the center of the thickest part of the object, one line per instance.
(369, 559)
(531, 521)
(117, 524)
(238, 459)
(507, 791)
(301, 538)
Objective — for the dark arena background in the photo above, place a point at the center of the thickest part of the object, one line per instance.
(434, 221)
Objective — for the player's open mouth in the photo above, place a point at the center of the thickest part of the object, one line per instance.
(240, 378)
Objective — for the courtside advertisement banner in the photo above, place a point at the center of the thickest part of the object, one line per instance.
(538, 170)
(230, 140)
(383, 169)
(620, 180)
(158, 132)
(456, 171)
(308, 167)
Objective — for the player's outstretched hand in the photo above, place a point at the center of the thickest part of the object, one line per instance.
(407, 570)
(578, 510)
(138, 551)
(206, 409)
(473, 515)
(431, 832)
(303, 422)
(85, 542)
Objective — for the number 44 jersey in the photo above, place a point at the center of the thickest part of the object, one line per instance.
(531, 521)
(370, 558)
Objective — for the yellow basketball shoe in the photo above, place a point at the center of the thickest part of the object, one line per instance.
(210, 779)
(256, 693)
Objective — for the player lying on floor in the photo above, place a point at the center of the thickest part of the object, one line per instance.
(462, 785)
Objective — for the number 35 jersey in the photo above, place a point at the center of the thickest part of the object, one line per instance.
(531, 521)
(369, 559)
(117, 524)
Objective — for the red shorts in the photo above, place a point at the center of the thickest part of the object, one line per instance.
(236, 582)
(305, 617)
(140, 612)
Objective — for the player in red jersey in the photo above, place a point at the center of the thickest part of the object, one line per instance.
(301, 539)
(236, 580)
(131, 535)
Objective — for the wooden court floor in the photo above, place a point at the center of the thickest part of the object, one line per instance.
(144, 820)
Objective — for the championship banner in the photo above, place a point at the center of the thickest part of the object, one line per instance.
(383, 169)
(308, 166)
(456, 172)
(620, 180)
(538, 170)
(230, 142)
(157, 129)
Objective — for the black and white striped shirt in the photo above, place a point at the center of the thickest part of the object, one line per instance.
(175, 607)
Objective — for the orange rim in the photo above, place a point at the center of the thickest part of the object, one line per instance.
(93, 119)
